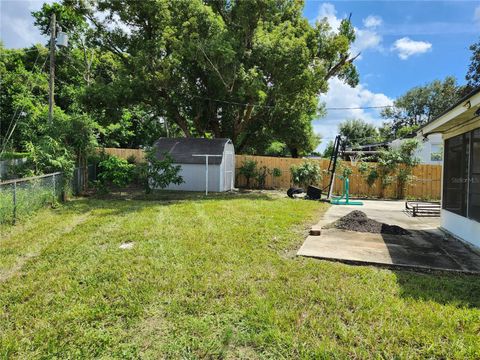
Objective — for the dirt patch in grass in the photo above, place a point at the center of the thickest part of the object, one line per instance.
(359, 221)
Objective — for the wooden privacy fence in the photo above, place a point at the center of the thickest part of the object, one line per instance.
(137, 154)
(425, 185)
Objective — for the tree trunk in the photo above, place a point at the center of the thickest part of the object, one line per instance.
(294, 152)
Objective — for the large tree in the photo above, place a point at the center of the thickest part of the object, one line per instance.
(219, 68)
(358, 132)
(419, 106)
(473, 74)
(85, 74)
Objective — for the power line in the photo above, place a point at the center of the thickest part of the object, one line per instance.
(360, 107)
(22, 51)
(272, 106)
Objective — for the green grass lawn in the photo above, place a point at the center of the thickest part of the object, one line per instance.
(214, 278)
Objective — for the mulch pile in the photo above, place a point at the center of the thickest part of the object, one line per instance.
(359, 221)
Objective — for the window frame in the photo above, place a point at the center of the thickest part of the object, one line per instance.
(464, 179)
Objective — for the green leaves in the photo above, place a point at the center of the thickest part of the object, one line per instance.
(233, 69)
(308, 173)
(248, 170)
(473, 73)
(158, 173)
(420, 105)
(115, 171)
(358, 132)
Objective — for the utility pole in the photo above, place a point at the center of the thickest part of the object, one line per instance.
(51, 93)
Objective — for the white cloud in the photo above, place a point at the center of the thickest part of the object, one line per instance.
(342, 95)
(476, 15)
(407, 47)
(366, 38)
(328, 11)
(372, 21)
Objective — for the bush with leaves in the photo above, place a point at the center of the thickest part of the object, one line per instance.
(307, 173)
(276, 173)
(115, 171)
(158, 173)
(369, 172)
(48, 155)
(408, 163)
(345, 170)
(248, 170)
(393, 164)
(261, 177)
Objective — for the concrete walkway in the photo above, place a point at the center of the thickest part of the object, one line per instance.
(426, 247)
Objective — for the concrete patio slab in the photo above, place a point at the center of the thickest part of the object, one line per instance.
(426, 247)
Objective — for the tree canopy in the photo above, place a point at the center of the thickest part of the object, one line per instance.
(473, 73)
(358, 132)
(244, 70)
(418, 106)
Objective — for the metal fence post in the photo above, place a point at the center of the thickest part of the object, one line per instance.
(79, 181)
(54, 189)
(14, 202)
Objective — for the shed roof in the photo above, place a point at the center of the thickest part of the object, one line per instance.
(183, 149)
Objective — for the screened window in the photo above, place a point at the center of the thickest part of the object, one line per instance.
(474, 190)
(461, 179)
(455, 175)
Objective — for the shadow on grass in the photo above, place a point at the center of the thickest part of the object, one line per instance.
(170, 195)
(446, 289)
(124, 202)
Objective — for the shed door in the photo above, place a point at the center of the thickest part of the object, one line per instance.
(228, 172)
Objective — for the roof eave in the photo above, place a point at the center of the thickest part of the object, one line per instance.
(467, 103)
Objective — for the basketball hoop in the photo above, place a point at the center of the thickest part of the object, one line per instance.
(355, 158)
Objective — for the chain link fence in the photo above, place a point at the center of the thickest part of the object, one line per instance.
(81, 179)
(22, 197)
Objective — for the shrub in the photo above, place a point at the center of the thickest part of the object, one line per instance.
(393, 165)
(276, 173)
(369, 173)
(158, 173)
(262, 176)
(306, 174)
(249, 170)
(115, 171)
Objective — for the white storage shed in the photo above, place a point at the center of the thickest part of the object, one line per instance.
(207, 164)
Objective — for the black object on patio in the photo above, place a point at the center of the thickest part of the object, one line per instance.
(422, 208)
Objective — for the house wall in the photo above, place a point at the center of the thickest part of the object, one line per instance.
(426, 148)
(466, 229)
(194, 178)
(462, 227)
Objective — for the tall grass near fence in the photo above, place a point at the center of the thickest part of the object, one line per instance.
(21, 197)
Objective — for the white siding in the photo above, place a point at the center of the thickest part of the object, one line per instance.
(220, 176)
(466, 229)
(194, 178)
(434, 144)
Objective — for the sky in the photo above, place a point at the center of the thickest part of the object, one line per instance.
(402, 43)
